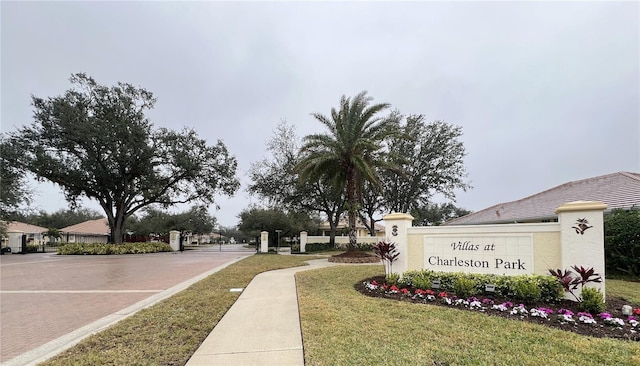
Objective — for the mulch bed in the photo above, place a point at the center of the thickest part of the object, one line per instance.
(354, 257)
(614, 306)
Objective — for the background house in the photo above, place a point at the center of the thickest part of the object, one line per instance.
(618, 190)
(35, 234)
(342, 230)
(92, 231)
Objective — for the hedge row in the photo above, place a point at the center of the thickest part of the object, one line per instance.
(322, 247)
(125, 248)
(530, 288)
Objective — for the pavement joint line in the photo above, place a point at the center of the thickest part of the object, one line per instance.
(256, 351)
(77, 291)
(32, 262)
(52, 348)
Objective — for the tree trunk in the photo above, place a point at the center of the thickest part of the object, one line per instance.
(351, 197)
(117, 232)
(372, 228)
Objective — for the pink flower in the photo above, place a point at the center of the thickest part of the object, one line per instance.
(604, 315)
(565, 312)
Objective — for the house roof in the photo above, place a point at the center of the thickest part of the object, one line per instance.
(17, 226)
(91, 227)
(617, 190)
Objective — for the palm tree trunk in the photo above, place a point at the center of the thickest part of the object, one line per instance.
(351, 197)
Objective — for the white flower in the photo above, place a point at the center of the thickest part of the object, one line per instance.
(500, 307)
(459, 302)
(564, 318)
(520, 309)
(537, 313)
(614, 321)
(370, 286)
(587, 320)
(475, 304)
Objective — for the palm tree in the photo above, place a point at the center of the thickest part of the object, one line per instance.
(350, 152)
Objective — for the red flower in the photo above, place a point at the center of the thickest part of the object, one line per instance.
(636, 311)
(405, 291)
(443, 294)
(374, 283)
(394, 288)
(430, 292)
(385, 287)
(420, 292)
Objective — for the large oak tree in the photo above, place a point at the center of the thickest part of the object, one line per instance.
(14, 190)
(95, 141)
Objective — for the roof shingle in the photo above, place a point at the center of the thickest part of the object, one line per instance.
(91, 227)
(617, 190)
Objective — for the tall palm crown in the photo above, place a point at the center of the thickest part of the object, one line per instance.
(350, 152)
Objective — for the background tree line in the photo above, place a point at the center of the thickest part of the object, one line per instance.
(366, 165)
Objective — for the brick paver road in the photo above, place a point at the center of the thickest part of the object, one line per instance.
(45, 296)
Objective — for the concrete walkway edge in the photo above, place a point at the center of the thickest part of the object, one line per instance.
(262, 327)
(60, 344)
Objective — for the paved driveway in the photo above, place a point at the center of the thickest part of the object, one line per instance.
(45, 296)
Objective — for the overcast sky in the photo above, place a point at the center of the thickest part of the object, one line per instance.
(545, 92)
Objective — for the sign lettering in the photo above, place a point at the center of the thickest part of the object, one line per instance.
(497, 254)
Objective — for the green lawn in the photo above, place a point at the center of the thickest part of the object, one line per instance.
(625, 289)
(342, 327)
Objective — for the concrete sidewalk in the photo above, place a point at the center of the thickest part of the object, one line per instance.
(263, 325)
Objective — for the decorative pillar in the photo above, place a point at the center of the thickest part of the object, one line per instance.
(396, 226)
(582, 238)
(303, 241)
(264, 242)
(15, 241)
(174, 240)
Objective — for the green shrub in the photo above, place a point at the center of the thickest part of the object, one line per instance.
(365, 247)
(526, 289)
(622, 241)
(522, 287)
(106, 249)
(393, 278)
(318, 247)
(464, 287)
(33, 248)
(550, 289)
(422, 282)
(591, 301)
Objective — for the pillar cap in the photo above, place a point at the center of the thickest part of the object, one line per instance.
(582, 206)
(398, 216)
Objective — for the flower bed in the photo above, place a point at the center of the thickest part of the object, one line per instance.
(564, 315)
